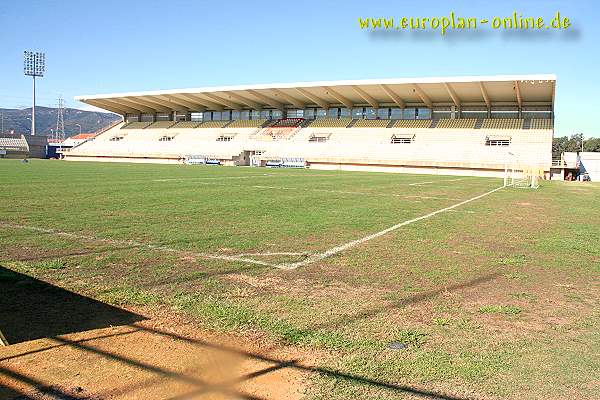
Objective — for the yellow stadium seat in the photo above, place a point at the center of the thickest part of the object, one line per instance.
(212, 124)
(161, 124)
(463, 123)
(330, 123)
(137, 125)
(412, 123)
(371, 123)
(544, 123)
(247, 123)
(502, 123)
(186, 124)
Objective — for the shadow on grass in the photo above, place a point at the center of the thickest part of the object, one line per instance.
(34, 309)
(200, 386)
(417, 298)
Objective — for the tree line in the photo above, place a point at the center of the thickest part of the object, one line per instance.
(573, 143)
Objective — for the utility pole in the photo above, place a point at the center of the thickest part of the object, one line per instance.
(60, 121)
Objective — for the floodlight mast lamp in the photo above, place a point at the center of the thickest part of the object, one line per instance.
(34, 64)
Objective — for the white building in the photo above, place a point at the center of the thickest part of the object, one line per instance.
(583, 162)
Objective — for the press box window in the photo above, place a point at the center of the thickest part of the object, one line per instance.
(318, 138)
(402, 139)
(497, 142)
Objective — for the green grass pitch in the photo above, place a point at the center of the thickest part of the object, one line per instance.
(497, 298)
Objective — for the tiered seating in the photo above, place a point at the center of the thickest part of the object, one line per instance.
(159, 143)
(330, 123)
(186, 124)
(412, 123)
(213, 124)
(161, 124)
(371, 123)
(137, 125)
(502, 123)
(15, 144)
(411, 143)
(247, 123)
(277, 133)
(545, 123)
(287, 122)
(463, 123)
(281, 129)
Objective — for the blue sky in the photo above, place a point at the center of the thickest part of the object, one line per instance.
(112, 46)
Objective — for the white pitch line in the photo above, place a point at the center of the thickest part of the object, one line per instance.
(426, 197)
(279, 253)
(419, 183)
(338, 249)
(329, 191)
(194, 178)
(237, 258)
(208, 178)
(430, 182)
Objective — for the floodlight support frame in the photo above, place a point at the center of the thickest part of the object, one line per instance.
(33, 110)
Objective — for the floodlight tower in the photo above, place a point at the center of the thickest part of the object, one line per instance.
(34, 65)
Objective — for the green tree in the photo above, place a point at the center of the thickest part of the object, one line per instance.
(573, 143)
(559, 145)
(592, 144)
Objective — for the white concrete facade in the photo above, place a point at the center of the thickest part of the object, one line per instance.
(457, 125)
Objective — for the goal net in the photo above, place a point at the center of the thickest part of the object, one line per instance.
(520, 176)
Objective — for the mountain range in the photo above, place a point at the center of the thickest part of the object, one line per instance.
(19, 121)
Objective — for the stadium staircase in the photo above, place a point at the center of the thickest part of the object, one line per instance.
(96, 134)
(280, 129)
(107, 127)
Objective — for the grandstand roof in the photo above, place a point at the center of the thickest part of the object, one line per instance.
(505, 90)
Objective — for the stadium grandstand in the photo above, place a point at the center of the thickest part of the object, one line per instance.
(13, 147)
(459, 126)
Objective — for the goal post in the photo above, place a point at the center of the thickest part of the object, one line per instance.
(522, 176)
(518, 174)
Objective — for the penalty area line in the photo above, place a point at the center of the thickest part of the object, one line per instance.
(165, 249)
(343, 247)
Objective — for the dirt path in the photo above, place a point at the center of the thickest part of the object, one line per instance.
(163, 357)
